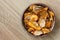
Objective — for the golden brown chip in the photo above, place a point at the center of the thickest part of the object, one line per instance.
(30, 17)
(33, 26)
(36, 9)
(45, 30)
(44, 15)
(31, 7)
(30, 29)
(44, 9)
(51, 13)
(48, 24)
(26, 14)
(34, 18)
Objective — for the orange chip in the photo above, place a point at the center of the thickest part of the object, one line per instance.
(48, 24)
(51, 13)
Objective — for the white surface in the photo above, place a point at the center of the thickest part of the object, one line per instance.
(11, 27)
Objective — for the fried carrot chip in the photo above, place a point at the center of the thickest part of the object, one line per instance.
(33, 26)
(45, 30)
(48, 24)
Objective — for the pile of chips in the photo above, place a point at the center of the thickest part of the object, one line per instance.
(38, 20)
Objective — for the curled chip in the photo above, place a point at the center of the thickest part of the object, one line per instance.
(30, 29)
(51, 15)
(31, 7)
(33, 26)
(34, 18)
(36, 9)
(38, 19)
(37, 33)
(45, 30)
(41, 22)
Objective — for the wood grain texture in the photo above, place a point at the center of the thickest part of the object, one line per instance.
(11, 27)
